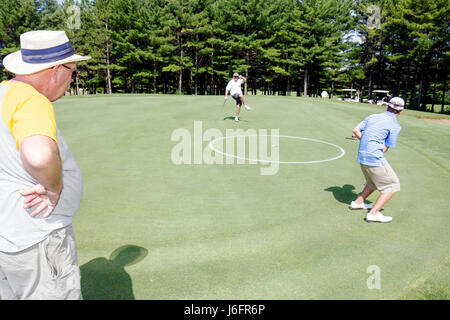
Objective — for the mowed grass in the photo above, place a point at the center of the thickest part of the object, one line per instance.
(150, 229)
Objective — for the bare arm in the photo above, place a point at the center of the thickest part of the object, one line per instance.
(41, 159)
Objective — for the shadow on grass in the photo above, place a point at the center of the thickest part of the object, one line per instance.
(107, 279)
(232, 118)
(344, 194)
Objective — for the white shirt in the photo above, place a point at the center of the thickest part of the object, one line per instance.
(234, 86)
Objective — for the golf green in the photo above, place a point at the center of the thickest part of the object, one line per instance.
(159, 223)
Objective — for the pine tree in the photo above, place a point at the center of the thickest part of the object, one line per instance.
(16, 17)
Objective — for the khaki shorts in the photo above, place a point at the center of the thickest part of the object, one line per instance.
(47, 270)
(382, 178)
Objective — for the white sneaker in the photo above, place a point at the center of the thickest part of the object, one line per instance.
(236, 119)
(377, 217)
(247, 107)
(362, 205)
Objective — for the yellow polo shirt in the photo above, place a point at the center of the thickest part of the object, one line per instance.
(26, 112)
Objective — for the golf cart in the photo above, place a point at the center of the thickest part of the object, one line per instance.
(349, 95)
(380, 97)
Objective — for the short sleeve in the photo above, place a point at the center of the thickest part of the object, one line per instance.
(35, 116)
(362, 125)
(391, 139)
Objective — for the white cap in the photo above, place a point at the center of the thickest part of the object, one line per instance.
(396, 103)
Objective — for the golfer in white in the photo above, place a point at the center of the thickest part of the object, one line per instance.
(234, 89)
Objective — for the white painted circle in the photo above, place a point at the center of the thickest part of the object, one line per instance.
(211, 146)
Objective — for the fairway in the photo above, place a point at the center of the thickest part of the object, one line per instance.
(152, 229)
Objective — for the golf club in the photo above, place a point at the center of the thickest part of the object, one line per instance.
(221, 110)
(225, 101)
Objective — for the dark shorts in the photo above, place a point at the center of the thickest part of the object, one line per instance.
(236, 97)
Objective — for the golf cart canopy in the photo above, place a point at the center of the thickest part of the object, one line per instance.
(380, 91)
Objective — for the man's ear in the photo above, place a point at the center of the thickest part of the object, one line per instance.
(56, 68)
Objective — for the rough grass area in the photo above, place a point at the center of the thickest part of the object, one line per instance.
(435, 287)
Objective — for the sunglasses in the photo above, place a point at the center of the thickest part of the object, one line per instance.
(74, 72)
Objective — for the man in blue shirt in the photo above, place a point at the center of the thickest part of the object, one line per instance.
(377, 133)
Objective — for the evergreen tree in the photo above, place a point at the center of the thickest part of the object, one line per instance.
(193, 46)
(16, 17)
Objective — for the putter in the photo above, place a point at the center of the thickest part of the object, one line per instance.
(221, 111)
(223, 105)
(350, 138)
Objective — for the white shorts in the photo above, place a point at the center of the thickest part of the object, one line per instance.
(47, 270)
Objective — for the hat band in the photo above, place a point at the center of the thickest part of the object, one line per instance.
(37, 56)
(395, 106)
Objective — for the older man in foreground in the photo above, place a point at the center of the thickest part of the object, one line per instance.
(40, 182)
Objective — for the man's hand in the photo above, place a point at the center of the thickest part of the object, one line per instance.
(39, 195)
(357, 133)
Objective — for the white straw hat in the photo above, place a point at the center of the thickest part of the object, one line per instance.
(40, 50)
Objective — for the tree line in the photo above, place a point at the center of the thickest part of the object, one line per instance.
(283, 47)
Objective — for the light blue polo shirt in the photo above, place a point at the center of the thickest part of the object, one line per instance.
(378, 131)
